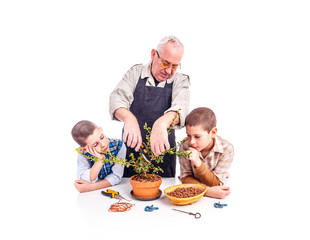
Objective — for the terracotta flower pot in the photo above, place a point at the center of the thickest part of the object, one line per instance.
(145, 189)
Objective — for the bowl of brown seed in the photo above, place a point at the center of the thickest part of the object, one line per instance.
(183, 194)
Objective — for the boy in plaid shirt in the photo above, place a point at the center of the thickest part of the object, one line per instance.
(211, 156)
(93, 175)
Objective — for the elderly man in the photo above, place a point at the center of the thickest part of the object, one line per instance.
(152, 94)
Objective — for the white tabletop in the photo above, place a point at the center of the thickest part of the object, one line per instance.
(93, 205)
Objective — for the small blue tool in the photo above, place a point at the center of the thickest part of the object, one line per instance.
(219, 205)
(150, 208)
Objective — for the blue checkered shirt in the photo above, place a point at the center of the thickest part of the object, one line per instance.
(114, 146)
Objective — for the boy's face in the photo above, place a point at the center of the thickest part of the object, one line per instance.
(199, 138)
(97, 141)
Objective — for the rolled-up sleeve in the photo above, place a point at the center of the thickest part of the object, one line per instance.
(122, 95)
(180, 97)
(83, 169)
(117, 170)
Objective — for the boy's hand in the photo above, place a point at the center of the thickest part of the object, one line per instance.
(93, 152)
(82, 186)
(194, 157)
(217, 192)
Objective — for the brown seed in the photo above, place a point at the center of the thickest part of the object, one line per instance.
(185, 192)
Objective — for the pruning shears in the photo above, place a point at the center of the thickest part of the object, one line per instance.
(111, 193)
(143, 151)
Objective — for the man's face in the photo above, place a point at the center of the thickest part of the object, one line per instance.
(199, 138)
(98, 141)
(171, 56)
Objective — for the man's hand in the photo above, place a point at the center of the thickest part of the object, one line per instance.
(159, 139)
(159, 134)
(132, 134)
(194, 157)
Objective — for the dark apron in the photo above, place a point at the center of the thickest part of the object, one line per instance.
(148, 105)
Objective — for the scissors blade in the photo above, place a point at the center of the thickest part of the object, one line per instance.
(118, 196)
(141, 151)
(146, 158)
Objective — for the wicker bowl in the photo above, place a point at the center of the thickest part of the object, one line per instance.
(184, 201)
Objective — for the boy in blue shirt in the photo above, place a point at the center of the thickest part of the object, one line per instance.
(93, 175)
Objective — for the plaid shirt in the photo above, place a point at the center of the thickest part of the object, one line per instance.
(114, 147)
(218, 160)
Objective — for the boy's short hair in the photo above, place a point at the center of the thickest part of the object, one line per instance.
(82, 130)
(203, 117)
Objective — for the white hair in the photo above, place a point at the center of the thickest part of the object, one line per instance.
(167, 39)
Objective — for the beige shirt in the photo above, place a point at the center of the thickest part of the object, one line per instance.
(122, 95)
(218, 161)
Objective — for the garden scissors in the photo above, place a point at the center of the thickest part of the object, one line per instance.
(196, 215)
(143, 151)
(111, 193)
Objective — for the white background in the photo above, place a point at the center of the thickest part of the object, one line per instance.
(248, 61)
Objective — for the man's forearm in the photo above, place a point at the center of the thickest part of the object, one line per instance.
(124, 115)
(167, 119)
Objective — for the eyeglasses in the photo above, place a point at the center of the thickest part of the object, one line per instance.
(166, 64)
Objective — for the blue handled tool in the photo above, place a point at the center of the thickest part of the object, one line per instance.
(150, 208)
(219, 205)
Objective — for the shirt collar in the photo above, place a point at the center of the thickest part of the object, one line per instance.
(146, 73)
(218, 147)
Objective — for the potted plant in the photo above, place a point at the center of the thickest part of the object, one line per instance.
(146, 182)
